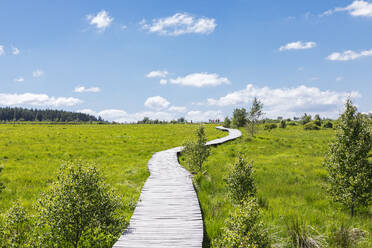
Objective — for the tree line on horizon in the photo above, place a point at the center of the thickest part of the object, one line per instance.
(9, 114)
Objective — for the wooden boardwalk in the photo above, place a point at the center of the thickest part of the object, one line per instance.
(168, 212)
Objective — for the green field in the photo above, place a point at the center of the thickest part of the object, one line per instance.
(288, 168)
(289, 178)
(31, 155)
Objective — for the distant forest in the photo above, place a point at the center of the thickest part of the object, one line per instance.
(23, 114)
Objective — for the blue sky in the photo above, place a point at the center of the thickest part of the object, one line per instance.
(125, 60)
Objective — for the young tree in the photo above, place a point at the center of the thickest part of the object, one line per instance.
(254, 114)
(196, 152)
(181, 120)
(305, 119)
(283, 124)
(240, 181)
(239, 117)
(317, 120)
(226, 122)
(244, 228)
(349, 170)
(79, 210)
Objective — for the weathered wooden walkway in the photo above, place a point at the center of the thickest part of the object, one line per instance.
(168, 212)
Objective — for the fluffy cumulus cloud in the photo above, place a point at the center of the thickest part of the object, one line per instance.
(15, 51)
(349, 55)
(156, 102)
(356, 8)
(19, 80)
(122, 116)
(179, 109)
(101, 21)
(43, 100)
(82, 89)
(157, 74)
(288, 101)
(163, 81)
(200, 80)
(180, 23)
(197, 115)
(2, 50)
(37, 73)
(298, 45)
(107, 114)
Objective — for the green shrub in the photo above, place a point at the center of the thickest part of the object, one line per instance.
(244, 228)
(292, 123)
(270, 126)
(305, 119)
(240, 182)
(239, 118)
(317, 121)
(283, 124)
(196, 152)
(328, 124)
(226, 122)
(79, 210)
(311, 126)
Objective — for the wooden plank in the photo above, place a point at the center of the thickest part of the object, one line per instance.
(168, 212)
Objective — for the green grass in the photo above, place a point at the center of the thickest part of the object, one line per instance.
(32, 154)
(289, 177)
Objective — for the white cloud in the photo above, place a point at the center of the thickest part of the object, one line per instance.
(15, 51)
(180, 23)
(287, 101)
(339, 78)
(204, 116)
(19, 80)
(157, 74)
(163, 81)
(30, 99)
(349, 55)
(81, 89)
(123, 27)
(119, 115)
(87, 111)
(102, 20)
(200, 80)
(356, 8)
(179, 109)
(37, 73)
(298, 45)
(107, 114)
(160, 115)
(156, 102)
(2, 51)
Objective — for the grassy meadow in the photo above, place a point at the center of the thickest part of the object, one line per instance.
(32, 154)
(290, 181)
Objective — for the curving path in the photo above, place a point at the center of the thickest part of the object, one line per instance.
(168, 212)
